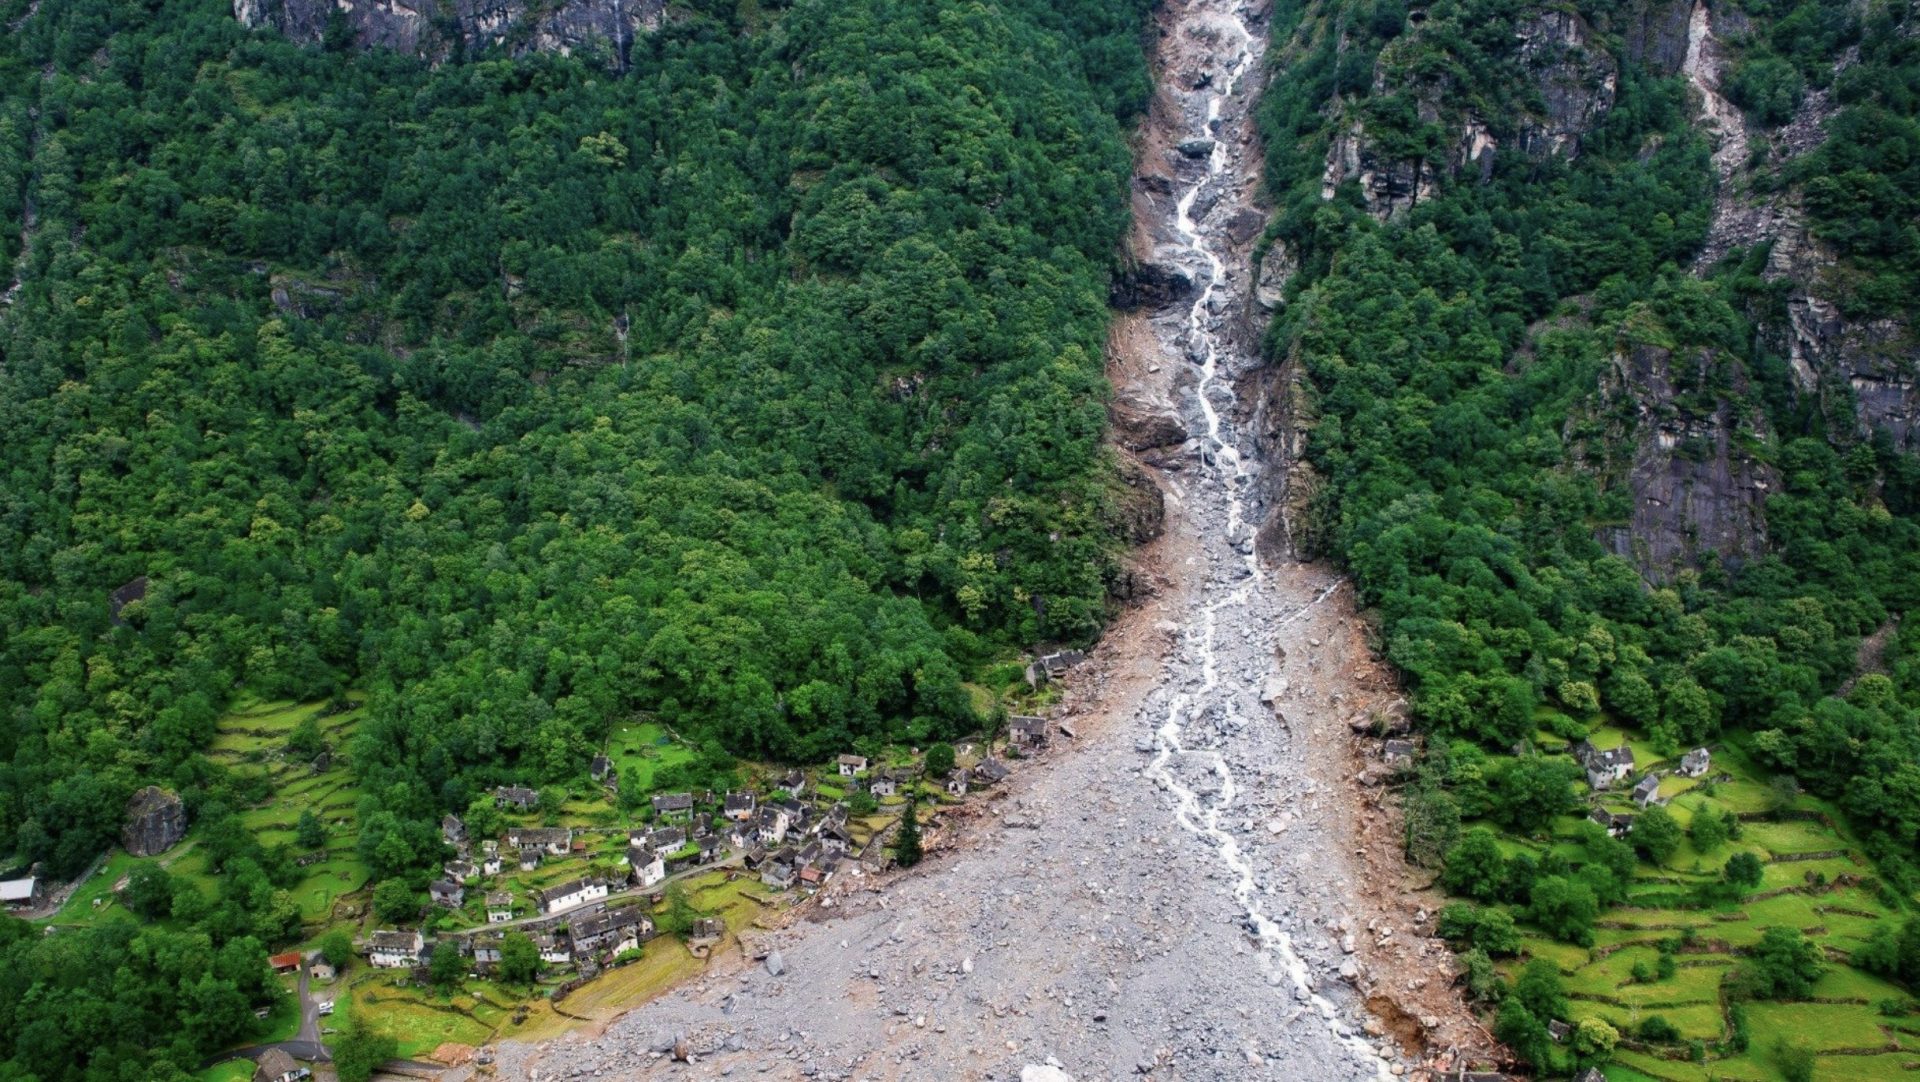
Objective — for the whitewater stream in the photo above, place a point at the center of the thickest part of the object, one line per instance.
(1234, 598)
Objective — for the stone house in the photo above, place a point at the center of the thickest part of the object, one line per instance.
(1616, 825)
(571, 894)
(453, 830)
(670, 805)
(795, 783)
(740, 805)
(517, 797)
(394, 950)
(648, 866)
(610, 932)
(1604, 768)
(499, 906)
(957, 782)
(486, 949)
(849, 765)
(773, 824)
(990, 772)
(554, 950)
(883, 784)
(275, 1065)
(1696, 762)
(1647, 793)
(601, 769)
(778, 871)
(553, 841)
(1026, 731)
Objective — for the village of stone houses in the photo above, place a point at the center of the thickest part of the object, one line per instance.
(552, 907)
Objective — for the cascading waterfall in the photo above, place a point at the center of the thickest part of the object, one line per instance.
(1229, 473)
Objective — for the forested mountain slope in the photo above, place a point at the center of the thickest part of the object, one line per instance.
(757, 387)
(1595, 364)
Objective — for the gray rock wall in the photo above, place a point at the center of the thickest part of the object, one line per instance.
(156, 821)
(439, 29)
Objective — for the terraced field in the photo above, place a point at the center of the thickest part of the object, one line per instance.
(1815, 878)
(253, 736)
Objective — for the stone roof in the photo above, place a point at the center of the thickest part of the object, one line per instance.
(274, 1063)
(571, 886)
(391, 940)
(666, 802)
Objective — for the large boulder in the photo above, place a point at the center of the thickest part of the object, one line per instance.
(156, 821)
(1152, 286)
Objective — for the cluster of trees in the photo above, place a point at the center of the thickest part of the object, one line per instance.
(757, 386)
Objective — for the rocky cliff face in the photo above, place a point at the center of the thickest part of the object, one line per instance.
(1695, 484)
(439, 29)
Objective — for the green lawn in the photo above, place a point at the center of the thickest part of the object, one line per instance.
(645, 747)
(234, 1070)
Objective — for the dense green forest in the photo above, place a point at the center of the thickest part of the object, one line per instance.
(1467, 459)
(756, 389)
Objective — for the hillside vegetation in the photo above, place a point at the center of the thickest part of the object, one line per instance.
(1511, 353)
(755, 390)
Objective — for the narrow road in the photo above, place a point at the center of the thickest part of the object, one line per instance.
(306, 1043)
(612, 896)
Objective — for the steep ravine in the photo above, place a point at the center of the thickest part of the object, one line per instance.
(1191, 888)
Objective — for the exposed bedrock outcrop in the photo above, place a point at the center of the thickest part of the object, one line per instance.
(439, 30)
(1696, 486)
